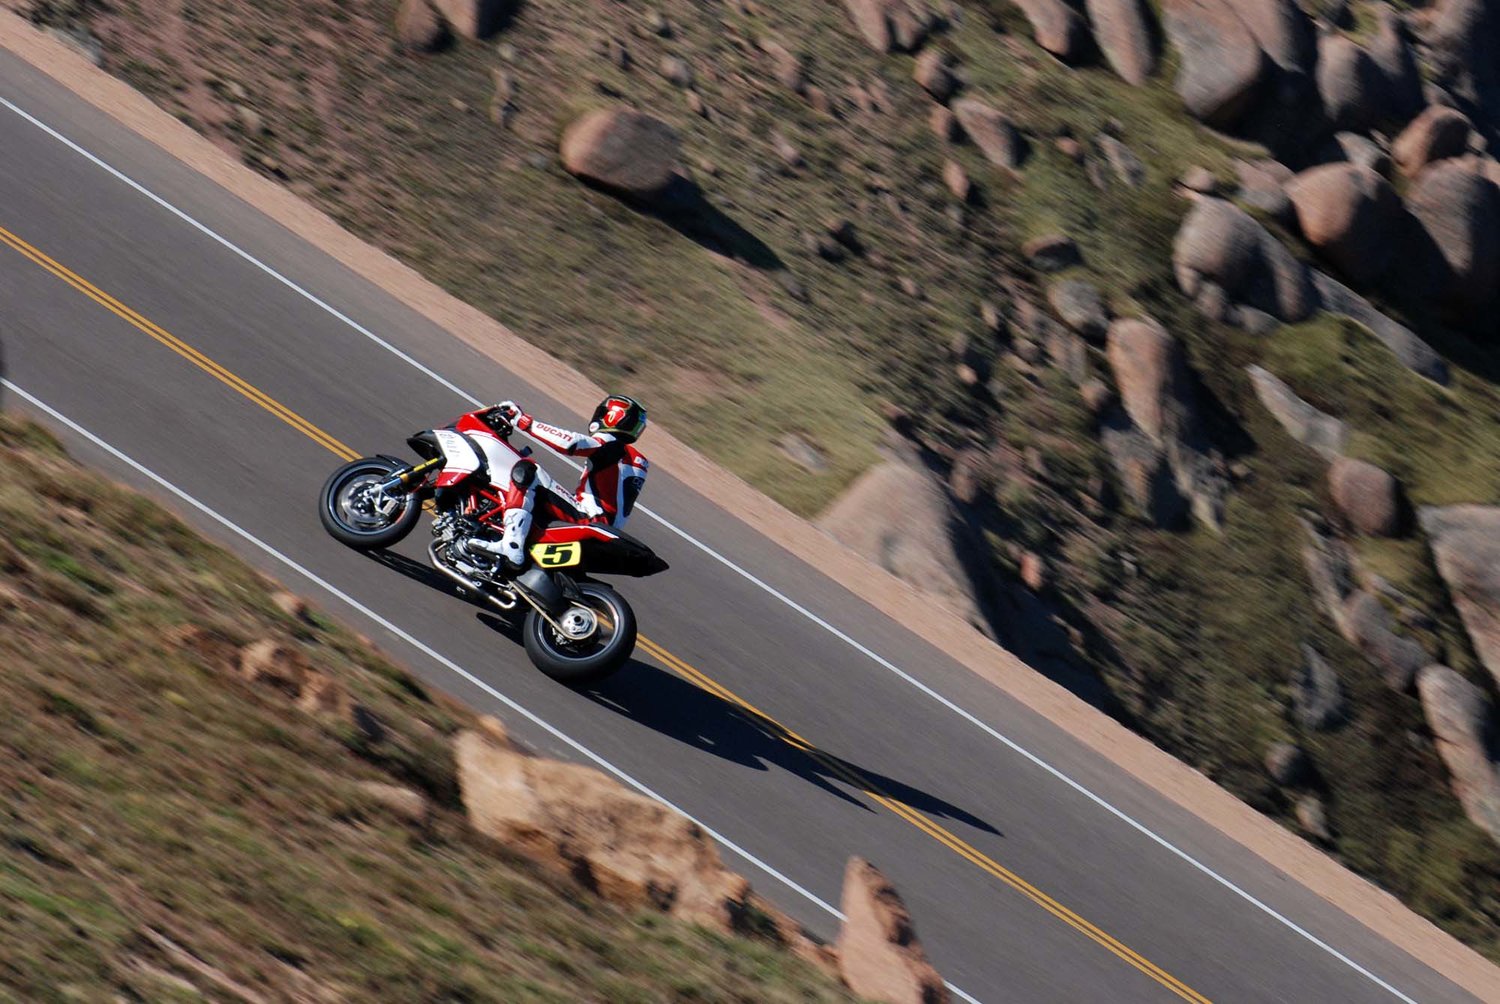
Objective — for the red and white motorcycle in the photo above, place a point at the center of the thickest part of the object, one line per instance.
(576, 630)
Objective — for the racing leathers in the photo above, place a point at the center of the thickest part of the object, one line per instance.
(614, 471)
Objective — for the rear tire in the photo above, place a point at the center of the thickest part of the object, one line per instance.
(339, 507)
(580, 664)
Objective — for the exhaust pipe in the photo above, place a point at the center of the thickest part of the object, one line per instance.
(503, 602)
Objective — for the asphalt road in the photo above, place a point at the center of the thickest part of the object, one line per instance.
(1023, 888)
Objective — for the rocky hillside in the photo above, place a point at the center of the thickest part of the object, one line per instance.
(1179, 319)
(215, 793)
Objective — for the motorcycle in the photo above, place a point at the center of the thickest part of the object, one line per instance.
(576, 630)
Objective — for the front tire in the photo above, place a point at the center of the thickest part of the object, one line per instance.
(348, 517)
(579, 663)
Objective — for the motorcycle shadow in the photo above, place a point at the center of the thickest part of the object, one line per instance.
(419, 571)
(681, 710)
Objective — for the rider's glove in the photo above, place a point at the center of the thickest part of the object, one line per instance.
(513, 411)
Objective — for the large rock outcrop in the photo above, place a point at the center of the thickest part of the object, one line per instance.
(1222, 63)
(897, 515)
(1467, 734)
(879, 955)
(573, 820)
(1125, 31)
(1465, 541)
(1351, 215)
(623, 150)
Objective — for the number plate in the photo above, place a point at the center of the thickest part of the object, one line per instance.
(557, 555)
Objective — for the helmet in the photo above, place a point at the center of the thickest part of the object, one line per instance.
(523, 473)
(620, 415)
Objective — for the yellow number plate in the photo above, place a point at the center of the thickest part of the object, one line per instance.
(557, 555)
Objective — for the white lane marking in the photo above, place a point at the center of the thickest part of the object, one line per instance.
(420, 646)
(793, 604)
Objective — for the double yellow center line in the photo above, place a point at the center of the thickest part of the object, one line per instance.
(754, 715)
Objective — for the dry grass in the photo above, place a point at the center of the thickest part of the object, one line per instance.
(170, 832)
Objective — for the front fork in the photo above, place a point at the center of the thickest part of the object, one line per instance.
(401, 483)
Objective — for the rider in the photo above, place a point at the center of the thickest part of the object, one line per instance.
(614, 471)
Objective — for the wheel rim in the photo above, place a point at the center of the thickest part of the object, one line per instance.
(605, 613)
(353, 506)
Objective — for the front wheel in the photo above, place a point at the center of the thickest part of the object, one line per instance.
(356, 513)
(599, 636)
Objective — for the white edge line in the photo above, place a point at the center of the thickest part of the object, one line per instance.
(794, 605)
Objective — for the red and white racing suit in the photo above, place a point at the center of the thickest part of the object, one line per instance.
(614, 471)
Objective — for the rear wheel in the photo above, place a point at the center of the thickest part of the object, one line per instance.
(598, 636)
(355, 513)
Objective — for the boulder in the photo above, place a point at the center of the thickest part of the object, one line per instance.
(1349, 83)
(419, 28)
(934, 73)
(1286, 763)
(1222, 64)
(1464, 728)
(1304, 423)
(1393, 57)
(879, 955)
(1058, 28)
(272, 664)
(1463, 43)
(1080, 306)
(897, 516)
(623, 150)
(957, 180)
(1459, 211)
(1200, 180)
(575, 821)
(1368, 497)
(1364, 152)
(402, 802)
(1409, 350)
(1313, 817)
(992, 131)
(1283, 32)
(1122, 160)
(1465, 542)
(944, 124)
(474, 18)
(1220, 243)
(1436, 134)
(1126, 33)
(1330, 573)
(891, 25)
(1317, 697)
(1351, 215)
(1151, 373)
(1263, 187)
(676, 71)
(786, 65)
(1369, 627)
